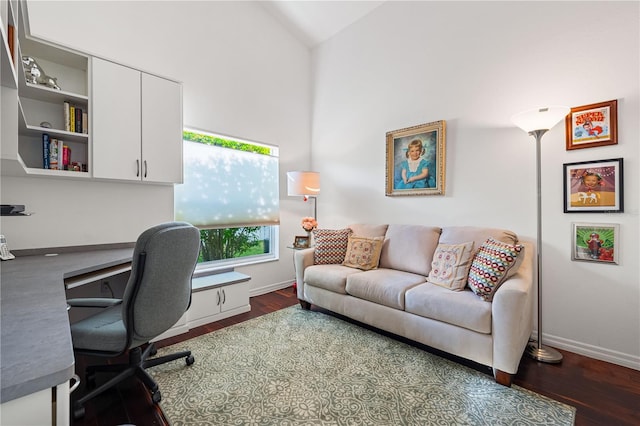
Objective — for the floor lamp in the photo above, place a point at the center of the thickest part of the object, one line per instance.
(537, 122)
(306, 184)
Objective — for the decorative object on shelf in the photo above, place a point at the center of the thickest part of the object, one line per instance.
(45, 124)
(593, 187)
(301, 241)
(309, 224)
(536, 122)
(34, 74)
(592, 125)
(305, 184)
(595, 242)
(416, 160)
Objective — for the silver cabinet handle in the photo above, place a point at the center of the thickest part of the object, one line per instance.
(145, 168)
(218, 293)
(224, 297)
(137, 168)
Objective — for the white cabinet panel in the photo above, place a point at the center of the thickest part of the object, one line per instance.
(116, 121)
(161, 130)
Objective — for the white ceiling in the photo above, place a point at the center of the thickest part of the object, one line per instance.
(313, 22)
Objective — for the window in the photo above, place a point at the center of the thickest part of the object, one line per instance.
(230, 192)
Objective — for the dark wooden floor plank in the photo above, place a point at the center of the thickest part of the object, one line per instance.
(603, 393)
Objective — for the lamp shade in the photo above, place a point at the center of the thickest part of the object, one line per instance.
(541, 118)
(303, 183)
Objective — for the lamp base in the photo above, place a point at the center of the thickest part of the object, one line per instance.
(543, 353)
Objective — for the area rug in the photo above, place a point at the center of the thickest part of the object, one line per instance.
(297, 367)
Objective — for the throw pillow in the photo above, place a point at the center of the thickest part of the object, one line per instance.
(330, 245)
(363, 253)
(450, 265)
(491, 266)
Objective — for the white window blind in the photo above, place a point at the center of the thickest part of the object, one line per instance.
(226, 188)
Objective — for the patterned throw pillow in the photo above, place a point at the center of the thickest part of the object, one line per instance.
(363, 253)
(450, 265)
(491, 265)
(330, 245)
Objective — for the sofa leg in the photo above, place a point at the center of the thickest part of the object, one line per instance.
(503, 378)
(305, 305)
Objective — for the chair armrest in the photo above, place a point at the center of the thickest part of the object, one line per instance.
(301, 260)
(93, 302)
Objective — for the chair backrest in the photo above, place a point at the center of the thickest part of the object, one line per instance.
(159, 289)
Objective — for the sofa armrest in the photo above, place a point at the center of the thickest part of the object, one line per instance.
(301, 260)
(512, 316)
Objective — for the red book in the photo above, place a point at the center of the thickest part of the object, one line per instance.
(66, 157)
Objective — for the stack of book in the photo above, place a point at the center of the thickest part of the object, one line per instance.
(75, 119)
(57, 156)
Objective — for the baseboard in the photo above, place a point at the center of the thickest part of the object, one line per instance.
(269, 288)
(591, 351)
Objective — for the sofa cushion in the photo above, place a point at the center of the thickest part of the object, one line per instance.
(329, 277)
(330, 245)
(367, 230)
(450, 266)
(494, 262)
(363, 253)
(461, 234)
(461, 308)
(382, 286)
(409, 248)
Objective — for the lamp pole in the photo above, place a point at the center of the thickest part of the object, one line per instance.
(537, 350)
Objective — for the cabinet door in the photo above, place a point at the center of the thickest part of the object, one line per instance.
(116, 121)
(161, 130)
(234, 296)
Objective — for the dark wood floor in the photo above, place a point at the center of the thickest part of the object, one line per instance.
(603, 393)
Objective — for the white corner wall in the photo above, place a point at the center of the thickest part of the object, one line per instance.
(243, 75)
(474, 64)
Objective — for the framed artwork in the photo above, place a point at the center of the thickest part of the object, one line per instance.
(301, 241)
(592, 125)
(595, 242)
(416, 160)
(593, 187)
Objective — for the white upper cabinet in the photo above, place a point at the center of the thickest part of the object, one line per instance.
(137, 125)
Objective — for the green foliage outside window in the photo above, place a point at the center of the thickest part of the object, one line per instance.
(230, 243)
(225, 143)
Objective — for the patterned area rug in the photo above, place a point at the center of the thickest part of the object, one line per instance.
(296, 367)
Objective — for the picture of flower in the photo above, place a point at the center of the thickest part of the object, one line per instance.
(309, 224)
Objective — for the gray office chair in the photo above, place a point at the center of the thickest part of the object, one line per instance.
(157, 294)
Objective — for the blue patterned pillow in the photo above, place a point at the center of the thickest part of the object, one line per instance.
(492, 264)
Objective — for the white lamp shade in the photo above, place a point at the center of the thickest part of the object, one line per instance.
(541, 118)
(303, 183)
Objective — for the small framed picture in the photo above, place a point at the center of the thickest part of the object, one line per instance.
(592, 125)
(595, 242)
(593, 187)
(301, 241)
(415, 160)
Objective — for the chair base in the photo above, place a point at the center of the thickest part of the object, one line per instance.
(138, 362)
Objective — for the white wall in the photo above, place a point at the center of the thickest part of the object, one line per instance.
(474, 64)
(243, 76)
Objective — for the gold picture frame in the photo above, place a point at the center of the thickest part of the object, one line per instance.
(416, 160)
(592, 125)
(301, 241)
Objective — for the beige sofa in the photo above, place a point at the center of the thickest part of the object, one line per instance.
(396, 296)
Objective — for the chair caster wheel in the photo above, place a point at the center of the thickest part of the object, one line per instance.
(190, 360)
(78, 411)
(156, 397)
(154, 351)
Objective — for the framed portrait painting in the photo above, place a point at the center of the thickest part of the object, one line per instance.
(592, 125)
(416, 160)
(595, 242)
(593, 187)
